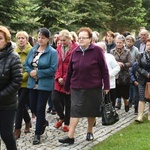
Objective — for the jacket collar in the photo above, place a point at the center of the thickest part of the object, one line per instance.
(25, 50)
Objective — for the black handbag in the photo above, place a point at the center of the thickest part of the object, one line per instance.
(109, 114)
(123, 78)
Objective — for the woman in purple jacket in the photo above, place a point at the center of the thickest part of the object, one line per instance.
(87, 75)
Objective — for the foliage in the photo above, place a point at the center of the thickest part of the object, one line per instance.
(100, 15)
(94, 14)
(16, 15)
(126, 15)
(55, 15)
(146, 5)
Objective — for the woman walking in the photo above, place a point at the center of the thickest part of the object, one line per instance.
(23, 47)
(10, 82)
(41, 65)
(87, 74)
(143, 69)
(61, 100)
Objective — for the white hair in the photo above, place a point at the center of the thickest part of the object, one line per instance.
(102, 45)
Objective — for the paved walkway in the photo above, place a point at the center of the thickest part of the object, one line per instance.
(49, 140)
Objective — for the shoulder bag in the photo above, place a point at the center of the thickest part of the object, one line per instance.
(123, 78)
(109, 114)
(147, 91)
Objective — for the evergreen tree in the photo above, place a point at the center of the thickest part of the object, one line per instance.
(94, 14)
(126, 15)
(53, 14)
(146, 5)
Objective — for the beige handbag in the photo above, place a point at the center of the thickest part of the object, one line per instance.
(147, 91)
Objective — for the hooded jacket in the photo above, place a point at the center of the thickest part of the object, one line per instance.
(10, 78)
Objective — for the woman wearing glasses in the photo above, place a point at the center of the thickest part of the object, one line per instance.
(41, 65)
(87, 74)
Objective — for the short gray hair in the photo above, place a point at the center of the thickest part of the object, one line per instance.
(120, 37)
(130, 37)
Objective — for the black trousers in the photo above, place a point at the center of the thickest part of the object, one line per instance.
(62, 104)
(38, 101)
(113, 96)
(6, 128)
(22, 112)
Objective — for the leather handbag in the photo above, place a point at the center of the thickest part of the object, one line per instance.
(123, 78)
(147, 91)
(109, 114)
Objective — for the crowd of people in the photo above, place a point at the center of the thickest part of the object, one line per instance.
(69, 76)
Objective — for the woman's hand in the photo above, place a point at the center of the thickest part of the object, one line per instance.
(33, 74)
(121, 64)
(136, 83)
(61, 81)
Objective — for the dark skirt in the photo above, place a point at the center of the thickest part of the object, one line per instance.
(141, 90)
(86, 102)
(122, 91)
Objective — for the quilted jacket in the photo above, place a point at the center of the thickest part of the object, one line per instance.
(10, 78)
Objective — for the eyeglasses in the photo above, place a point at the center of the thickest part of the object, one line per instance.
(83, 38)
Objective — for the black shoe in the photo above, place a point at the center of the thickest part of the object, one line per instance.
(36, 140)
(44, 126)
(118, 105)
(89, 137)
(67, 140)
(136, 111)
(127, 108)
(49, 110)
(53, 112)
(130, 104)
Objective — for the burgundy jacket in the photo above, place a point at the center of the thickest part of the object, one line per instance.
(87, 69)
(63, 66)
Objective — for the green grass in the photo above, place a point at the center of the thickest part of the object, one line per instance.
(134, 137)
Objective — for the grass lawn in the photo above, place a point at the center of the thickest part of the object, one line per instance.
(134, 137)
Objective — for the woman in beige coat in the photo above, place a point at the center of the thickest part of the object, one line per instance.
(124, 59)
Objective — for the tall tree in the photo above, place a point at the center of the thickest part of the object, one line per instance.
(7, 11)
(94, 14)
(126, 15)
(16, 15)
(146, 5)
(53, 14)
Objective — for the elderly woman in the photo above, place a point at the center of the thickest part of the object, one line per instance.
(113, 68)
(62, 100)
(41, 65)
(10, 82)
(143, 70)
(124, 59)
(87, 74)
(23, 47)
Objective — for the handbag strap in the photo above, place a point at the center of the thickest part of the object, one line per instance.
(107, 98)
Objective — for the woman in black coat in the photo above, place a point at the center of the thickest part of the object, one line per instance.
(143, 70)
(10, 82)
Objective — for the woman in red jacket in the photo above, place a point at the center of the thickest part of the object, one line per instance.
(60, 99)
